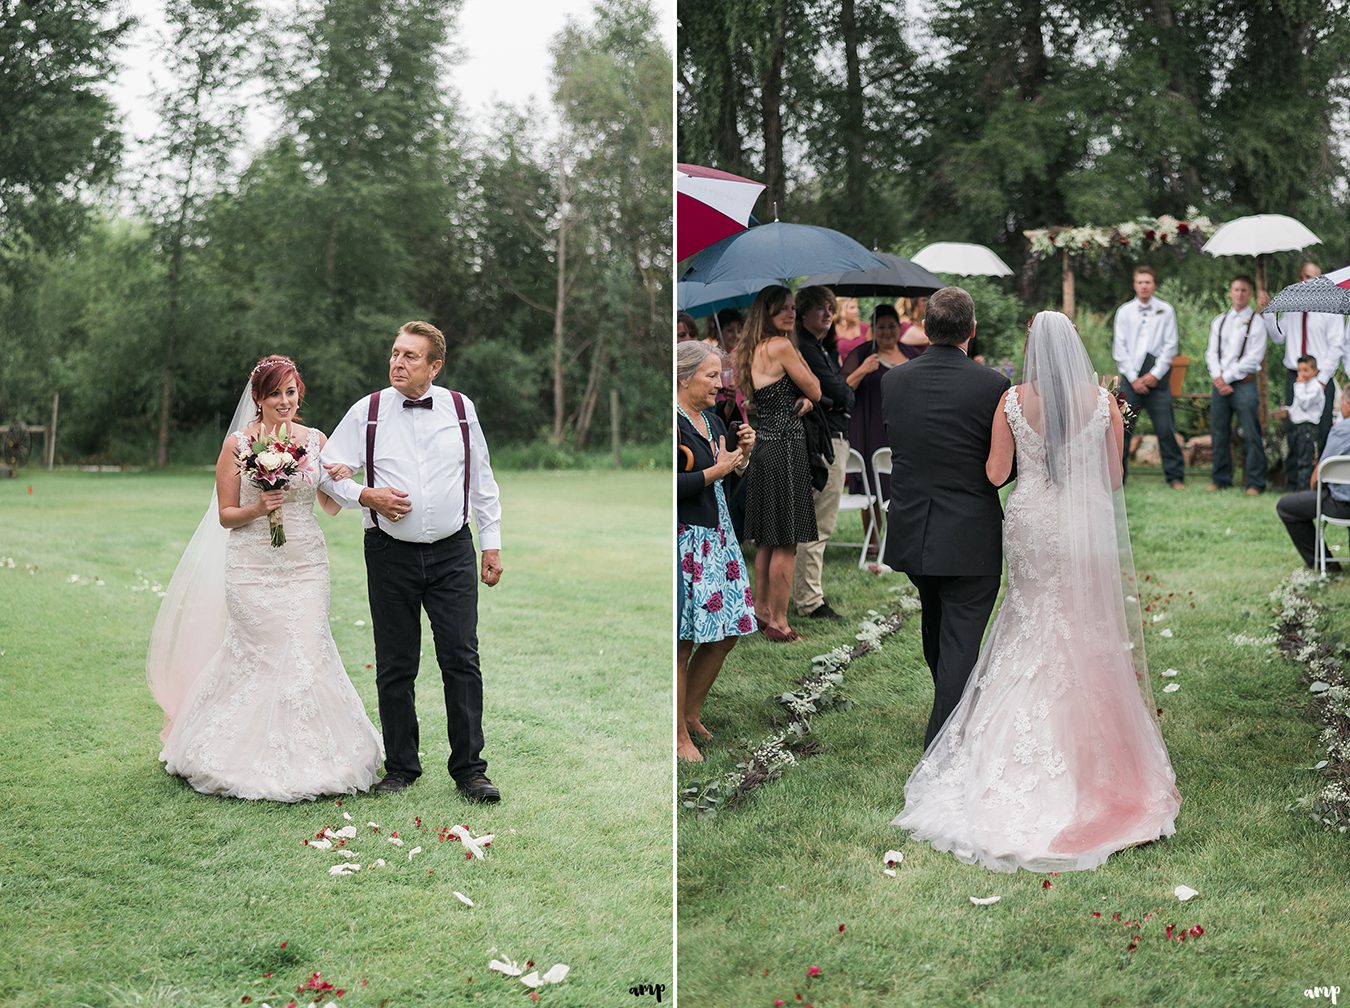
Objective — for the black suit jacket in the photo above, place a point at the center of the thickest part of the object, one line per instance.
(945, 516)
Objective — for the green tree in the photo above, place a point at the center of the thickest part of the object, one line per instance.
(208, 53)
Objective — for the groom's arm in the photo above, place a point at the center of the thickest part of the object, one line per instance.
(345, 447)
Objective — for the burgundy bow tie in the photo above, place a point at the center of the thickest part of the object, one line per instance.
(417, 403)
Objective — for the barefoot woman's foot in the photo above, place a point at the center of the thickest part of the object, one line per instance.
(696, 727)
(685, 750)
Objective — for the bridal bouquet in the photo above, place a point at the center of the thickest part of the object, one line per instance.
(270, 463)
(1127, 414)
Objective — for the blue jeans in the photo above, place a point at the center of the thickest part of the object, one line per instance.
(1242, 402)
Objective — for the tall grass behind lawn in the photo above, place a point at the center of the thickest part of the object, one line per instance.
(119, 885)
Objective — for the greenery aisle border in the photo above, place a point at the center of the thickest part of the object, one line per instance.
(1323, 659)
(820, 690)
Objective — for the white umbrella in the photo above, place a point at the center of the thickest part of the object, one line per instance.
(961, 259)
(1259, 234)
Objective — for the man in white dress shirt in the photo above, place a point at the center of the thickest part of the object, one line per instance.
(1310, 334)
(1145, 343)
(1237, 349)
(412, 440)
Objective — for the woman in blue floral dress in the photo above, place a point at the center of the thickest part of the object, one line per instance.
(715, 604)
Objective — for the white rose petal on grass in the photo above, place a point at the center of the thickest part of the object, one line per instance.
(414, 851)
(396, 841)
(985, 901)
(346, 868)
(888, 871)
(321, 844)
(1171, 687)
(1159, 617)
(531, 979)
(556, 974)
(467, 902)
(359, 622)
(1320, 765)
(892, 857)
(1184, 892)
(347, 816)
(373, 825)
(474, 845)
(1166, 633)
(1169, 674)
(346, 833)
(504, 966)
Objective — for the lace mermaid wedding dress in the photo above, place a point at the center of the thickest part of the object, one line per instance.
(271, 714)
(1053, 758)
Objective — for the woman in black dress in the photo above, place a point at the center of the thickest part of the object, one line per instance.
(779, 512)
(863, 369)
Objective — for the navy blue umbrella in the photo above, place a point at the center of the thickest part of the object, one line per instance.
(700, 299)
(780, 252)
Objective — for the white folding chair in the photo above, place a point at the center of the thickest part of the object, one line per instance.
(856, 501)
(1335, 469)
(881, 466)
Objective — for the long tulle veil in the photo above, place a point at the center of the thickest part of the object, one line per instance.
(190, 626)
(1059, 398)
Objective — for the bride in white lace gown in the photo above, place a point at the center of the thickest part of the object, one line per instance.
(257, 703)
(1053, 758)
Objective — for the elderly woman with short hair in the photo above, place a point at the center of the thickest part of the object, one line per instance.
(715, 604)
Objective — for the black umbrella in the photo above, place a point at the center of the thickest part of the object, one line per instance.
(1320, 294)
(898, 278)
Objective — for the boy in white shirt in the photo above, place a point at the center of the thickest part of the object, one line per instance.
(1304, 411)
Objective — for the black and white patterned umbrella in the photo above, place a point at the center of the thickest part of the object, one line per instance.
(1320, 294)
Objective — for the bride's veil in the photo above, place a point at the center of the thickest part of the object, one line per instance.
(190, 626)
(1059, 399)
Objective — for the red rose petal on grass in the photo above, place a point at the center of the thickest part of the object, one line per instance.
(283, 945)
(1196, 931)
(1170, 928)
(534, 996)
(1116, 916)
(799, 997)
(778, 1003)
(1046, 884)
(841, 929)
(267, 976)
(368, 665)
(1096, 913)
(813, 971)
(529, 963)
(245, 1000)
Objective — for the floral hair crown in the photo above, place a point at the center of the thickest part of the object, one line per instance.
(271, 362)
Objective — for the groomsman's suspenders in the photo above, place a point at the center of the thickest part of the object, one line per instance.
(372, 418)
(1245, 333)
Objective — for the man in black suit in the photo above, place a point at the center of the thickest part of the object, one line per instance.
(945, 521)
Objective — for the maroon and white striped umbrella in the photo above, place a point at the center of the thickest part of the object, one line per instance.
(709, 206)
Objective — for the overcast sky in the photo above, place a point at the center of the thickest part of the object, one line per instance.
(504, 45)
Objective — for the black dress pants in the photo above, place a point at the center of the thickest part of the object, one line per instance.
(955, 612)
(1298, 511)
(403, 579)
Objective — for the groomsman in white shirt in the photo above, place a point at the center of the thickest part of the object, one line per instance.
(1145, 343)
(1237, 349)
(1310, 334)
(426, 466)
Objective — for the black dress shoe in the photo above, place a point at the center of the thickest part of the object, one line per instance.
(479, 789)
(823, 611)
(391, 785)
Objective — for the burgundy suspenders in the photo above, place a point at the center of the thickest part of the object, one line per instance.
(464, 430)
(373, 416)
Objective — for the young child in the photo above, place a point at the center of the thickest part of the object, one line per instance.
(1304, 413)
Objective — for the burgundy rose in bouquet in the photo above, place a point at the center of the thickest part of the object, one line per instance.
(1127, 413)
(270, 463)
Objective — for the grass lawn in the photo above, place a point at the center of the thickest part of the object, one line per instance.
(765, 888)
(119, 885)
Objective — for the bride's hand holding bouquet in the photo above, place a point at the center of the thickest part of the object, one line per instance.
(270, 462)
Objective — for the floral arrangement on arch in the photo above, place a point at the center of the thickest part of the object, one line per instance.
(1143, 234)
